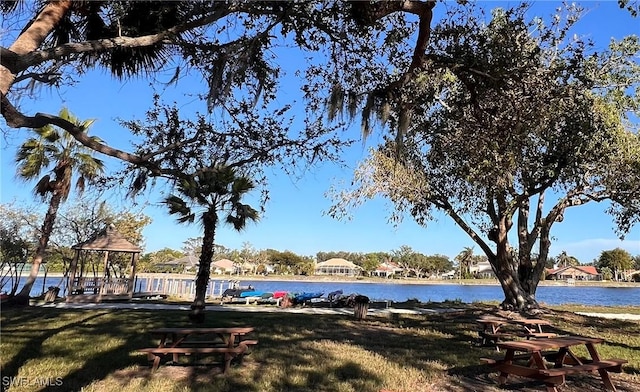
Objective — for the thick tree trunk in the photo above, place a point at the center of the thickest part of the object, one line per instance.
(204, 269)
(43, 241)
(519, 289)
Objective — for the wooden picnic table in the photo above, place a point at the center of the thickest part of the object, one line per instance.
(532, 326)
(555, 350)
(228, 341)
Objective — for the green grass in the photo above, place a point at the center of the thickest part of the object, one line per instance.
(95, 350)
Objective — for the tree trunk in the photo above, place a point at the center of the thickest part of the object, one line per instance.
(31, 38)
(519, 291)
(45, 233)
(209, 220)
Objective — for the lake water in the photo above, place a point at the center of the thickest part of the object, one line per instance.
(551, 295)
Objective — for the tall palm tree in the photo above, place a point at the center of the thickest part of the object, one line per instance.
(218, 189)
(464, 260)
(56, 153)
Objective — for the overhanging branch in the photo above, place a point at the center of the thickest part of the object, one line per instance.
(467, 229)
(16, 119)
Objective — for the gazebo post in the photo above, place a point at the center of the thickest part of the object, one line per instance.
(103, 281)
(132, 274)
(72, 274)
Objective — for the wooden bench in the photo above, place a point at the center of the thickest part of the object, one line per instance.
(612, 365)
(212, 343)
(155, 353)
(538, 335)
(548, 355)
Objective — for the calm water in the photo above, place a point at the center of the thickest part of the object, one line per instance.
(552, 295)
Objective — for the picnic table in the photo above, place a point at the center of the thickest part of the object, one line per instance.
(228, 341)
(535, 354)
(493, 329)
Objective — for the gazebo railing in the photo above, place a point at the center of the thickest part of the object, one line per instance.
(116, 286)
(85, 285)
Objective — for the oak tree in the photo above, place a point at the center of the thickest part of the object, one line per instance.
(516, 123)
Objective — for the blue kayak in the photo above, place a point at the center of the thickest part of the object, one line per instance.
(245, 294)
(301, 297)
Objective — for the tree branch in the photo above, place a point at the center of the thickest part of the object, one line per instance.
(468, 229)
(16, 119)
(40, 77)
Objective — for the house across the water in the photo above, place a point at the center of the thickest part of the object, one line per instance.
(575, 273)
(337, 266)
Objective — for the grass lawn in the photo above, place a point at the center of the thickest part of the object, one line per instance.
(46, 349)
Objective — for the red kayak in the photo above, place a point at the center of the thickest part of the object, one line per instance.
(279, 294)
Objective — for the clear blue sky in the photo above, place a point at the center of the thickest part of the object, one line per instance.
(294, 218)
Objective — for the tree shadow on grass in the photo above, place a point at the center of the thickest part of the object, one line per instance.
(302, 353)
(32, 349)
(121, 364)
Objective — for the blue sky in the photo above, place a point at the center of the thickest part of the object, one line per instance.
(294, 218)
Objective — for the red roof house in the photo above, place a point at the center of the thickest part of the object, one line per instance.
(577, 272)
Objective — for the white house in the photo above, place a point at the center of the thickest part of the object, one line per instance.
(387, 269)
(223, 266)
(337, 266)
(482, 270)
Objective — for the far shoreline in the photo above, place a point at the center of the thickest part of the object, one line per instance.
(351, 279)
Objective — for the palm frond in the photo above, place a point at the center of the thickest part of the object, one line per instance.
(43, 187)
(187, 218)
(80, 184)
(177, 206)
(240, 215)
(242, 185)
(48, 134)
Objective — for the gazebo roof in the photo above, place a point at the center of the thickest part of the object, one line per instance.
(110, 240)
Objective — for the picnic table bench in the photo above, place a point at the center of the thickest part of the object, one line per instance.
(229, 342)
(557, 350)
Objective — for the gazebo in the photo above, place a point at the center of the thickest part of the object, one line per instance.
(82, 288)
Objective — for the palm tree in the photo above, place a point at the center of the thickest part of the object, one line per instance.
(464, 260)
(57, 153)
(214, 190)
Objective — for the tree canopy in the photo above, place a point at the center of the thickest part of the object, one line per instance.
(56, 42)
(616, 259)
(515, 114)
